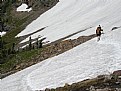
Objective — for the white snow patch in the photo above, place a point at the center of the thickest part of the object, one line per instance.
(2, 33)
(23, 7)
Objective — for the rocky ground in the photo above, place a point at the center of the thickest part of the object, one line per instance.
(100, 83)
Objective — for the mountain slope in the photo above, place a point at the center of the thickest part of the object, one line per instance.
(68, 17)
(84, 61)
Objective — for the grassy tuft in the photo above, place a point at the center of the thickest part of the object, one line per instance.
(18, 58)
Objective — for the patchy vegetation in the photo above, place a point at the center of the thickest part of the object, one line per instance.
(14, 22)
(24, 59)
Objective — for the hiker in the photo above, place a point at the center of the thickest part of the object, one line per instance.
(98, 32)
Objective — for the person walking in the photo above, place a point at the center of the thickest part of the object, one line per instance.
(98, 32)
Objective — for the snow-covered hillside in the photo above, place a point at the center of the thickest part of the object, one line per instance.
(70, 16)
(84, 61)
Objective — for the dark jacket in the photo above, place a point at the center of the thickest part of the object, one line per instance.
(98, 31)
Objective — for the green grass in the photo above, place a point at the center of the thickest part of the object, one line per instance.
(21, 57)
(28, 54)
(16, 24)
(9, 38)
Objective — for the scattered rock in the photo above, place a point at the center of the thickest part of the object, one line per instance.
(17, 67)
(114, 28)
(117, 73)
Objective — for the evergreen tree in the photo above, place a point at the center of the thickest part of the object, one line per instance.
(1, 58)
(13, 1)
(1, 43)
(33, 47)
(4, 53)
(40, 44)
(37, 43)
(9, 51)
(30, 43)
(1, 25)
(0, 1)
(13, 48)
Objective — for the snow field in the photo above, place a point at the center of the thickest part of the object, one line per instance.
(68, 17)
(84, 61)
(87, 60)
